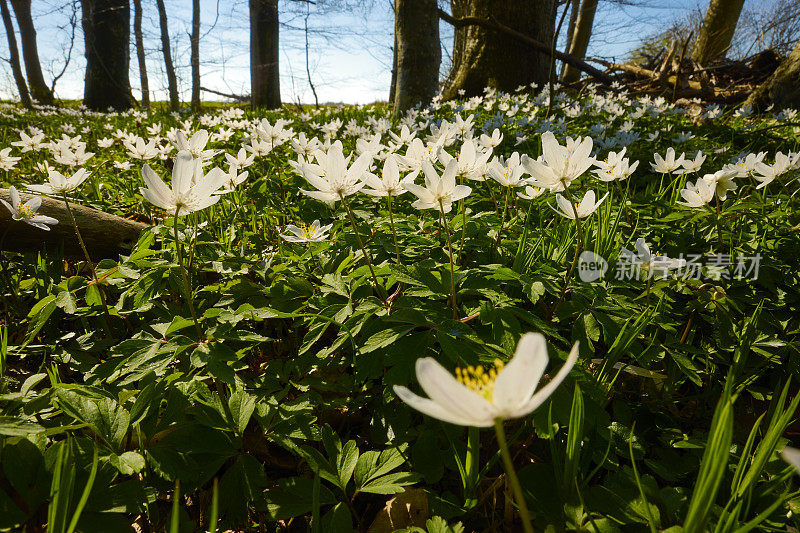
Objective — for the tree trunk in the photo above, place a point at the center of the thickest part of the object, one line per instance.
(107, 49)
(393, 84)
(172, 80)
(195, 55)
(30, 52)
(137, 33)
(574, 7)
(783, 87)
(419, 53)
(716, 33)
(265, 85)
(13, 53)
(580, 38)
(486, 57)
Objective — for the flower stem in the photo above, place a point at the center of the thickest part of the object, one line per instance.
(578, 247)
(519, 496)
(91, 265)
(364, 251)
(394, 232)
(452, 268)
(186, 287)
(471, 468)
(463, 229)
(719, 223)
(502, 222)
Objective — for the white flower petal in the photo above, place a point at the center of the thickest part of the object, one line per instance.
(517, 381)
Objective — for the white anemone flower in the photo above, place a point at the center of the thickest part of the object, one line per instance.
(28, 143)
(531, 192)
(478, 398)
(303, 233)
(439, 191)
(722, 181)
(331, 176)
(615, 167)
(586, 207)
(507, 173)
(471, 160)
(649, 262)
(559, 165)
(389, 182)
(60, 184)
(693, 165)
(697, 194)
(196, 144)
(27, 212)
(191, 191)
(668, 163)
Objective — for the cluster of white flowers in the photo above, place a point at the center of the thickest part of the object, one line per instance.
(389, 161)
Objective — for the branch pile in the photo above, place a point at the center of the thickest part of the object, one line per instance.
(672, 74)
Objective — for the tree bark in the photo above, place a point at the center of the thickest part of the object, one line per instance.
(107, 31)
(783, 87)
(393, 83)
(13, 53)
(520, 37)
(172, 80)
(265, 87)
(574, 7)
(30, 52)
(195, 55)
(419, 53)
(137, 34)
(105, 235)
(717, 30)
(580, 38)
(487, 57)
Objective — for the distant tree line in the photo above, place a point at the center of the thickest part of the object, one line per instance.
(503, 44)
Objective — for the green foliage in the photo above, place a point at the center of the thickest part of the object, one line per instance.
(283, 410)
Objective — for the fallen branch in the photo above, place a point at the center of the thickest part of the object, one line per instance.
(579, 64)
(105, 235)
(630, 69)
(237, 97)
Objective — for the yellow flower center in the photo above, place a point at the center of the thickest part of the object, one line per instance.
(479, 380)
(25, 211)
(307, 233)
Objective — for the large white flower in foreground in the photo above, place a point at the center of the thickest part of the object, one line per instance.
(439, 191)
(478, 398)
(27, 212)
(586, 207)
(331, 177)
(191, 191)
(60, 184)
(559, 165)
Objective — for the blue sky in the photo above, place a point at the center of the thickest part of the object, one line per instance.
(350, 48)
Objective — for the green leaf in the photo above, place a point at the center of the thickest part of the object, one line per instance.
(293, 497)
(241, 406)
(38, 316)
(16, 427)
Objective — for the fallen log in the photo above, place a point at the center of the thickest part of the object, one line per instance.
(105, 235)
